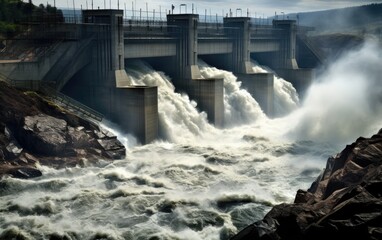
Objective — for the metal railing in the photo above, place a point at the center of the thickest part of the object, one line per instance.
(48, 88)
(4, 78)
(317, 52)
(71, 103)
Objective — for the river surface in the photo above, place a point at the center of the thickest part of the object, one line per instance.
(199, 182)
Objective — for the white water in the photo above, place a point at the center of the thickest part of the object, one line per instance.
(179, 118)
(239, 106)
(286, 99)
(346, 100)
(204, 183)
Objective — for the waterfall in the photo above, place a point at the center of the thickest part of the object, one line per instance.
(286, 97)
(239, 106)
(179, 120)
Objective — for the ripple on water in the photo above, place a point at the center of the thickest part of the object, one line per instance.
(10, 186)
(251, 212)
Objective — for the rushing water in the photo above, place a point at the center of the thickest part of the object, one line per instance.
(198, 182)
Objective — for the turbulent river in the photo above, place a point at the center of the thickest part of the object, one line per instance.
(200, 182)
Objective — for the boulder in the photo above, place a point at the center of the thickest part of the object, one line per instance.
(45, 134)
(345, 201)
(35, 132)
(13, 149)
(113, 148)
(24, 172)
(78, 137)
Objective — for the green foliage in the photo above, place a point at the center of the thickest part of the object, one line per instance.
(7, 29)
(14, 12)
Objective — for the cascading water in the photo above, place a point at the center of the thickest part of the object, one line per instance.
(178, 117)
(286, 99)
(239, 106)
(205, 183)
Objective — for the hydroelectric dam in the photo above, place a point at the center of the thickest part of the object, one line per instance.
(83, 63)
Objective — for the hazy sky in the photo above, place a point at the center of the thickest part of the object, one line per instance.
(258, 7)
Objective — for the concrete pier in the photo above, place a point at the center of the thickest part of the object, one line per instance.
(209, 95)
(104, 84)
(186, 74)
(238, 29)
(301, 78)
(287, 53)
(260, 86)
(136, 111)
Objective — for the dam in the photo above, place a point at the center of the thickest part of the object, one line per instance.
(85, 62)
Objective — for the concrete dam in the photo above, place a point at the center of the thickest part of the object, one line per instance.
(85, 63)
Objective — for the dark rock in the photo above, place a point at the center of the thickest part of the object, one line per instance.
(345, 201)
(13, 150)
(30, 158)
(45, 134)
(24, 172)
(35, 131)
(116, 154)
(113, 148)
(103, 133)
(2, 156)
(110, 144)
(78, 137)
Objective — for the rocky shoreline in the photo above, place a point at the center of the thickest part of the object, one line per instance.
(35, 131)
(345, 201)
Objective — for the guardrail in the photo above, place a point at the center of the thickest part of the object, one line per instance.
(317, 52)
(71, 103)
(4, 78)
(44, 87)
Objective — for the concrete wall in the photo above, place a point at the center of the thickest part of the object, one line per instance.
(146, 50)
(36, 70)
(209, 95)
(137, 111)
(260, 86)
(238, 30)
(301, 78)
(266, 45)
(287, 35)
(307, 55)
(208, 47)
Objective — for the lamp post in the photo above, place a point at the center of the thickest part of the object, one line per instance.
(239, 9)
(182, 5)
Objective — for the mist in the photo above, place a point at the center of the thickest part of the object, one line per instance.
(345, 102)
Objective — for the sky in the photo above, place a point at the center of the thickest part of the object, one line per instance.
(255, 8)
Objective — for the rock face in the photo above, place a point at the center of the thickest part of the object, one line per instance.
(34, 131)
(345, 202)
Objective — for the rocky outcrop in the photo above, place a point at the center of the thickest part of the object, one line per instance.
(345, 202)
(34, 131)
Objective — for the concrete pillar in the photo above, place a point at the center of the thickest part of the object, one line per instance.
(260, 86)
(209, 95)
(104, 84)
(185, 28)
(287, 31)
(301, 78)
(137, 111)
(114, 18)
(186, 74)
(238, 29)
